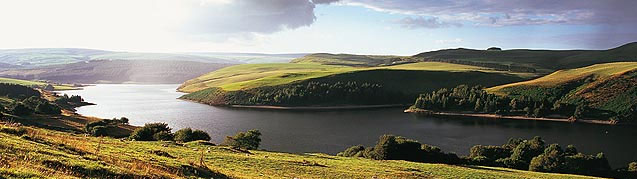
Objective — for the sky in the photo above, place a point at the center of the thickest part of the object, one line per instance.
(391, 27)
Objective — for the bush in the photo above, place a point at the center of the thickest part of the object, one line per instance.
(187, 135)
(163, 136)
(249, 140)
(587, 165)
(632, 167)
(149, 131)
(354, 151)
(47, 108)
(391, 147)
(99, 131)
(20, 109)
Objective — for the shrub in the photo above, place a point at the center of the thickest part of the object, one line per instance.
(354, 151)
(391, 147)
(142, 134)
(587, 165)
(163, 136)
(249, 140)
(99, 131)
(47, 108)
(147, 133)
(187, 135)
(20, 109)
(632, 167)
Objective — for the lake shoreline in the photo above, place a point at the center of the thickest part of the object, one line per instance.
(494, 116)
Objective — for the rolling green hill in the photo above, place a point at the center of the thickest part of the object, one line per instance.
(40, 153)
(39, 57)
(349, 59)
(543, 60)
(310, 84)
(117, 71)
(607, 87)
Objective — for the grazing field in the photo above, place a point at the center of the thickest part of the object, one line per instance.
(564, 76)
(310, 84)
(39, 153)
(349, 59)
(257, 75)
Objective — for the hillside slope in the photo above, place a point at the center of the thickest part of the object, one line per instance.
(609, 87)
(39, 57)
(543, 60)
(117, 71)
(40, 153)
(306, 84)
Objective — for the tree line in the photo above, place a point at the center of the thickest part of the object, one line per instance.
(475, 99)
(524, 154)
(303, 94)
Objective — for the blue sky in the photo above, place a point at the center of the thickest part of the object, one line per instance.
(399, 27)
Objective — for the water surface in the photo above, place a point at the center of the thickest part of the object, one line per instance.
(333, 131)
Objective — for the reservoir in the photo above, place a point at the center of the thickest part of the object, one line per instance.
(333, 131)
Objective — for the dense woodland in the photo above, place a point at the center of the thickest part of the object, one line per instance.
(530, 154)
(17, 91)
(474, 99)
(304, 94)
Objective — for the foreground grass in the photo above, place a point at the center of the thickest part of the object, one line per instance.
(41, 153)
(257, 75)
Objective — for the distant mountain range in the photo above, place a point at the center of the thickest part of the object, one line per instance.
(116, 71)
(38, 57)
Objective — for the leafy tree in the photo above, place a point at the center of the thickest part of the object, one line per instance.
(570, 150)
(528, 111)
(514, 104)
(149, 131)
(524, 152)
(187, 135)
(552, 160)
(580, 111)
(249, 140)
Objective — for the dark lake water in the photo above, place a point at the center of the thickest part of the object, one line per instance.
(333, 131)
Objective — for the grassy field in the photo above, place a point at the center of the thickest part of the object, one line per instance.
(608, 87)
(349, 59)
(34, 83)
(257, 75)
(565, 76)
(542, 60)
(41, 153)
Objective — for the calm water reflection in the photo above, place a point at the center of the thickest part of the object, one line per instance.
(333, 131)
